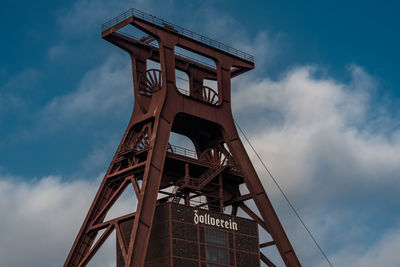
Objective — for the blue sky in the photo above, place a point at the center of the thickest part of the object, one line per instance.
(322, 108)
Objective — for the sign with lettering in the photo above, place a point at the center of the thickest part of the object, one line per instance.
(208, 219)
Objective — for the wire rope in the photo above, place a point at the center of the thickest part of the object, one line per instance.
(285, 196)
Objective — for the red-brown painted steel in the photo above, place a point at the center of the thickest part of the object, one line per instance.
(202, 114)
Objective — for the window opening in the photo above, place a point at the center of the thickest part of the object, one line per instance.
(151, 80)
(182, 82)
(216, 242)
(202, 60)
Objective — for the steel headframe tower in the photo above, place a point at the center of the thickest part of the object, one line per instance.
(146, 160)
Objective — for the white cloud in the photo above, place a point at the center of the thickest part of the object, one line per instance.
(105, 91)
(339, 172)
(15, 89)
(101, 153)
(320, 121)
(22, 80)
(382, 253)
(57, 51)
(41, 219)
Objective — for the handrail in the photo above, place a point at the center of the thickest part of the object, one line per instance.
(193, 154)
(183, 152)
(182, 31)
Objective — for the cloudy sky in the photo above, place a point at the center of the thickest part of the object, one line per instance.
(321, 107)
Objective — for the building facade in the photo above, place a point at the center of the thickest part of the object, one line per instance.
(186, 236)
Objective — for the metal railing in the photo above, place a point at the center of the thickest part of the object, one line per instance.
(193, 154)
(187, 33)
(183, 152)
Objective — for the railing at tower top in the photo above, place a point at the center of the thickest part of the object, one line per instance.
(187, 33)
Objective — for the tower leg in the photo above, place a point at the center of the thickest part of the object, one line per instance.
(262, 202)
(148, 194)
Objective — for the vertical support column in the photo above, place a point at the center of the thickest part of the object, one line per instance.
(221, 194)
(234, 209)
(186, 173)
(187, 199)
(224, 82)
(155, 163)
(148, 195)
(196, 82)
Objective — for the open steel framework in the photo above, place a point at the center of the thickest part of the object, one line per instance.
(147, 161)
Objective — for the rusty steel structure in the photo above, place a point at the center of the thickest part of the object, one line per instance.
(147, 161)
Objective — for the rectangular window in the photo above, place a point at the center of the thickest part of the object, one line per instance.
(216, 247)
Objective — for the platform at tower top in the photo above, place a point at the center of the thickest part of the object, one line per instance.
(108, 26)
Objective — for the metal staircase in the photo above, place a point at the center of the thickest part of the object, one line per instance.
(204, 179)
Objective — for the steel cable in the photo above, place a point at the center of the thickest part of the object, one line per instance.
(286, 198)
